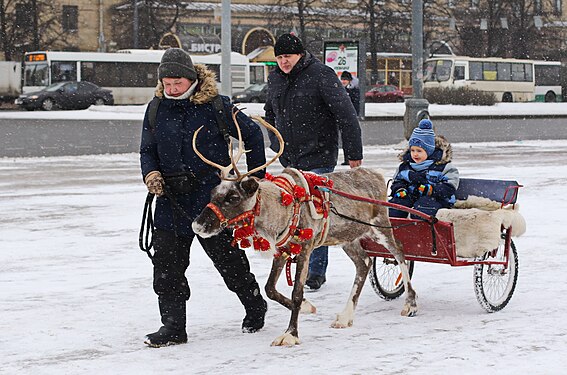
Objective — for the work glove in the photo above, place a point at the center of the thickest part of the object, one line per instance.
(425, 190)
(417, 178)
(401, 193)
(154, 182)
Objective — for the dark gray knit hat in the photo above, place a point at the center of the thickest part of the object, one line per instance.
(175, 63)
(288, 44)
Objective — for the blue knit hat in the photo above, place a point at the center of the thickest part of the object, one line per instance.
(423, 136)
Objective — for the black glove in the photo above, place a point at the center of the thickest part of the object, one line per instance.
(417, 178)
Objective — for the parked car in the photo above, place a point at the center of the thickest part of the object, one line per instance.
(66, 95)
(255, 93)
(384, 94)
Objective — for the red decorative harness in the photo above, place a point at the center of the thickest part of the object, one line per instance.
(288, 243)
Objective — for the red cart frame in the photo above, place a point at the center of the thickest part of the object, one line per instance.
(426, 239)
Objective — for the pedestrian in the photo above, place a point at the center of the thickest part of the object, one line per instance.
(309, 107)
(183, 183)
(354, 94)
(426, 180)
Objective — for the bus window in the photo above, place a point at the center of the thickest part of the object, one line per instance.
(62, 71)
(504, 73)
(459, 73)
(518, 73)
(36, 75)
(438, 70)
(547, 75)
(257, 74)
(489, 71)
(443, 70)
(475, 71)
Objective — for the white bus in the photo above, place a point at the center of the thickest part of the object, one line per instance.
(130, 74)
(547, 81)
(511, 80)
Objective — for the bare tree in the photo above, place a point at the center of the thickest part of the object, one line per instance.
(27, 25)
(507, 28)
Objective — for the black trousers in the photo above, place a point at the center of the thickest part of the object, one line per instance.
(171, 260)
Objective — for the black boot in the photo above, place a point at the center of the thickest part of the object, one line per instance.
(256, 308)
(173, 318)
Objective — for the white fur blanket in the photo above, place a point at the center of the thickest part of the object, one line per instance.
(477, 224)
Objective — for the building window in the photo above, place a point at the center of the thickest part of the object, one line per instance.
(70, 21)
(557, 7)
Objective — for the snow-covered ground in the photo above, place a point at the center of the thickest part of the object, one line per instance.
(76, 294)
(136, 112)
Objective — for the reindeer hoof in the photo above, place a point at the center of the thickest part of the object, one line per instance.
(307, 307)
(287, 339)
(342, 321)
(409, 311)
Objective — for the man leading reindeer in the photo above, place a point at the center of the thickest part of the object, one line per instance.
(309, 107)
(187, 95)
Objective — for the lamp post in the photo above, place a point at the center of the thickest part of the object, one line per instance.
(226, 87)
(416, 107)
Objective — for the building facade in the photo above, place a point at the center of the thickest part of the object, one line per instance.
(468, 27)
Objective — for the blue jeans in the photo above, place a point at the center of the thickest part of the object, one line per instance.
(320, 256)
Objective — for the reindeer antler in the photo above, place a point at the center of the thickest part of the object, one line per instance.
(225, 170)
(270, 127)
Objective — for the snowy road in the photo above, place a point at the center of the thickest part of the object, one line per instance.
(76, 291)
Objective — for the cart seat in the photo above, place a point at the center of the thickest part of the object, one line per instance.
(503, 191)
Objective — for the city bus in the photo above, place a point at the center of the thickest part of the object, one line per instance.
(130, 74)
(511, 80)
(547, 81)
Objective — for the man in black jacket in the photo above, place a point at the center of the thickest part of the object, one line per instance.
(309, 106)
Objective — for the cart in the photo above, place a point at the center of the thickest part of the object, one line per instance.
(426, 239)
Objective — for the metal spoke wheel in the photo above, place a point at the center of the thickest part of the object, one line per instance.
(99, 101)
(386, 278)
(495, 284)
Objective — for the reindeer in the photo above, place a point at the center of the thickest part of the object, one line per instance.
(280, 217)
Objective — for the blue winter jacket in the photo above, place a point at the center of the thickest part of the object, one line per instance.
(309, 106)
(168, 149)
(441, 175)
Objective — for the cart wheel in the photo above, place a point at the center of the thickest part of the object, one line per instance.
(386, 278)
(494, 284)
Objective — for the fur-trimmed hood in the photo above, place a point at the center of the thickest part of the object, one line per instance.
(205, 91)
(441, 143)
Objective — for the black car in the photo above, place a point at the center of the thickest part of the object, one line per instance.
(66, 95)
(253, 94)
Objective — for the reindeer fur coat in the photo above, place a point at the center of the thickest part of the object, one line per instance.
(167, 148)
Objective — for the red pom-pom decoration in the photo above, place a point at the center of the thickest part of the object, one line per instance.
(294, 248)
(305, 234)
(299, 191)
(245, 243)
(287, 199)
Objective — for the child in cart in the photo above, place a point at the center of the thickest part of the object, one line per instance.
(426, 180)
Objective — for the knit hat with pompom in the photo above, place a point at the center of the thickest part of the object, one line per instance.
(423, 136)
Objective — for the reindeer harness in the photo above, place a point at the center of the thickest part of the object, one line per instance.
(288, 243)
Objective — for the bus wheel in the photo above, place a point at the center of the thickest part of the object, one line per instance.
(507, 97)
(550, 97)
